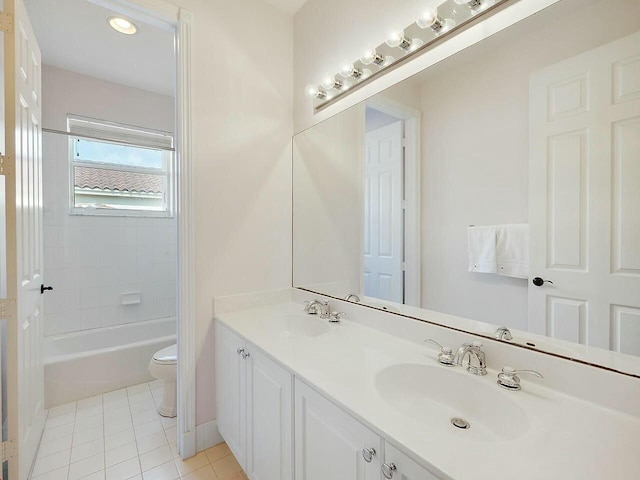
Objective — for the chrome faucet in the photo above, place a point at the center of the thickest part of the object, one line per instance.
(510, 380)
(474, 351)
(316, 307)
(352, 297)
(503, 333)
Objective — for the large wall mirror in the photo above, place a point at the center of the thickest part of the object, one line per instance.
(498, 188)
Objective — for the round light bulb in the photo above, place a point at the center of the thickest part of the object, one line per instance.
(395, 38)
(311, 91)
(346, 70)
(416, 43)
(122, 25)
(329, 82)
(368, 56)
(428, 17)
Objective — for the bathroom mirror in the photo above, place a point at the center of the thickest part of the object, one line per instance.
(498, 188)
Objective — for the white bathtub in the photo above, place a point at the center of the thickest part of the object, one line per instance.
(83, 364)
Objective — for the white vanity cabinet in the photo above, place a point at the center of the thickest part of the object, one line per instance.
(254, 407)
(329, 443)
(398, 466)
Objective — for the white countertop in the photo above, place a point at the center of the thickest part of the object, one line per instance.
(562, 437)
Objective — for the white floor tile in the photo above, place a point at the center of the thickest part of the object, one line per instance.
(155, 457)
(54, 446)
(148, 428)
(88, 435)
(86, 450)
(95, 476)
(143, 387)
(92, 422)
(172, 434)
(86, 467)
(144, 417)
(116, 395)
(168, 422)
(151, 442)
(124, 470)
(57, 474)
(57, 433)
(165, 471)
(118, 439)
(119, 425)
(115, 414)
(51, 462)
(120, 454)
(60, 420)
(89, 412)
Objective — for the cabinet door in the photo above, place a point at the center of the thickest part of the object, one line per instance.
(329, 442)
(269, 419)
(230, 391)
(406, 469)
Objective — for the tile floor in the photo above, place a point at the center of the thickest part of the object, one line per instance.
(120, 436)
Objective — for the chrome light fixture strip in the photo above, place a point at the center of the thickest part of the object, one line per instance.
(432, 26)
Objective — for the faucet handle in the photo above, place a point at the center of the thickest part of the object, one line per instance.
(445, 357)
(510, 380)
(335, 317)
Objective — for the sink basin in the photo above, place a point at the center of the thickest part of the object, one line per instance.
(303, 326)
(433, 395)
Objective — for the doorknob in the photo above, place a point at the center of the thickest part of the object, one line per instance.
(43, 288)
(538, 282)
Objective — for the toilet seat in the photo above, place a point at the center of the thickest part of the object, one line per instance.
(167, 356)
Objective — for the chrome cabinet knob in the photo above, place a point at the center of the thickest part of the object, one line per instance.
(388, 469)
(245, 355)
(240, 350)
(368, 454)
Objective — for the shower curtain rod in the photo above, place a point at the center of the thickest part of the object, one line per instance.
(110, 140)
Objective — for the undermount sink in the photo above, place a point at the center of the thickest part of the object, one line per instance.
(435, 395)
(304, 326)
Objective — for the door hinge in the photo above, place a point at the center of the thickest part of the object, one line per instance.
(404, 266)
(6, 165)
(8, 450)
(6, 310)
(6, 22)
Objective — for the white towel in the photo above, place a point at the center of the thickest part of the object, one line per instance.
(481, 243)
(512, 250)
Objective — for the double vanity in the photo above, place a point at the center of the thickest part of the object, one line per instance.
(304, 397)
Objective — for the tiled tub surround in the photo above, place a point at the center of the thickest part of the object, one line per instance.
(120, 436)
(582, 421)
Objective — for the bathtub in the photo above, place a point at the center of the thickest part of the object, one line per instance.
(83, 364)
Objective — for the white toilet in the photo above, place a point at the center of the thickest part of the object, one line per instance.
(163, 366)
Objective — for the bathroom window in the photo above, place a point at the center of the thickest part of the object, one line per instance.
(120, 170)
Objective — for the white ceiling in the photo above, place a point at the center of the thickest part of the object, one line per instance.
(288, 6)
(74, 35)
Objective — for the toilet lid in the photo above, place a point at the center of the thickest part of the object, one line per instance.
(166, 355)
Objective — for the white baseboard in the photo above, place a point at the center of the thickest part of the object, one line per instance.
(187, 445)
(207, 435)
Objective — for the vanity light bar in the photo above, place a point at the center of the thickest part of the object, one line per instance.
(432, 25)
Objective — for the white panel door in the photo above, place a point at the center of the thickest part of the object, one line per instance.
(269, 419)
(23, 170)
(383, 250)
(405, 468)
(231, 391)
(329, 443)
(585, 198)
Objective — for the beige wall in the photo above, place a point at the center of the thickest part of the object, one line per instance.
(242, 124)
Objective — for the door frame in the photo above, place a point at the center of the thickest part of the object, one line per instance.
(412, 159)
(171, 17)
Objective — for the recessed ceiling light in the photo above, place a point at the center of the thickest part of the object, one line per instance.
(122, 25)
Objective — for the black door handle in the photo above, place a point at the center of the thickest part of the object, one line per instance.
(538, 282)
(43, 288)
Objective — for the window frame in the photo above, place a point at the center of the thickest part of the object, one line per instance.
(167, 172)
